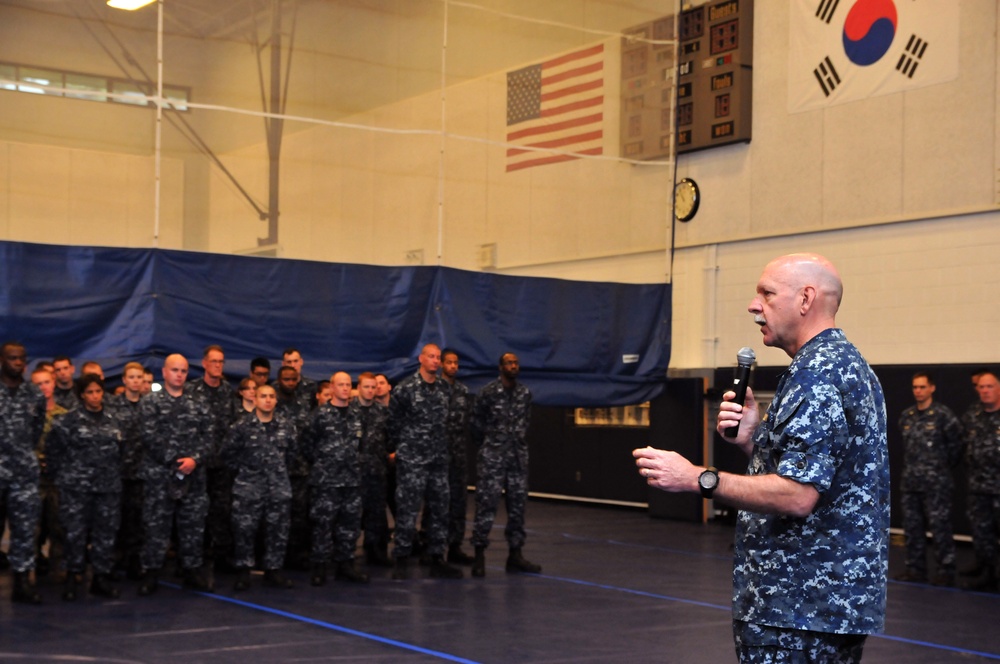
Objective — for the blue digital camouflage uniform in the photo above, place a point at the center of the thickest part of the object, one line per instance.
(932, 440)
(458, 449)
(332, 446)
(222, 403)
(23, 419)
(66, 397)
(174, 428)
(418, 420)
(982, 460)
(257, 453)
(84, 453)
(825, 572)
(374, 462)
(130, 532)
(296, 410)
(500, 427)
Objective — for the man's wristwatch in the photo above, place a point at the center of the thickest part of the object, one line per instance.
(708, 481)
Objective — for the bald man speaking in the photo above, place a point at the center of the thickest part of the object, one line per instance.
(811, 552)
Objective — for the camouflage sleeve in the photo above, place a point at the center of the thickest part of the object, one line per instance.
(954, 436)
(56, 445)
(815, 428)
(232, 448)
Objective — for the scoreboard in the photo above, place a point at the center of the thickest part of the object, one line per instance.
(711, 83)
(714, 75)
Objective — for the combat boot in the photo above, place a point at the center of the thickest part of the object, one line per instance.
(24, 589)
(987, 581)
(401, 570)
(70, 589)
(101, 586)
(479, 562)
(318, 574)
(442, 570)
(242, 580)
(518, 563)
(273, 578)
(458, 557)
(150, 582)
(194, 579)
(346, 571)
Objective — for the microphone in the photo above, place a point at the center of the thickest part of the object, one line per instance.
(744, 359)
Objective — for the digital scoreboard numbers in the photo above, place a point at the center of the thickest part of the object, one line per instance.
(715, 75)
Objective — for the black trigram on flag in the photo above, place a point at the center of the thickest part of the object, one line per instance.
(910, 58)
(825, 9)
(827, 76)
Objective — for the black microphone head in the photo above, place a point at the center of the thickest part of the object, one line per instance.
(746, 357)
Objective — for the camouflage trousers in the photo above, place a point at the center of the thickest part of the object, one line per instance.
(219, 522)
(496, 475)
(251, 512)
(923, 511)
(159, 510)
(97, 515)
(763, 644)
(984, 515)
(336, 522)
(373, 516)
(23, 510)
(425, 481)
(458, 499)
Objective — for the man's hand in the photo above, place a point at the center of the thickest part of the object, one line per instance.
(186, 465)
(744, 415)
(666, 470)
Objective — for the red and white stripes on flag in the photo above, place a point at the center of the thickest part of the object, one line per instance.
(557, 104)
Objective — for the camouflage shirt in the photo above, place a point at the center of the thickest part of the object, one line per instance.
(982, 450)
(459, 412)
(173, 428)
(258, 453)
(333, 447)
(84, 451)
(932, 440)
(221, 402)
(129, 416)
(372, 420)
(501, 417)
(826, 427)
(22, 416)
(418, 420)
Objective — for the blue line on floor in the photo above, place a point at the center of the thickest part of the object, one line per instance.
(339, 628)
(642, 593)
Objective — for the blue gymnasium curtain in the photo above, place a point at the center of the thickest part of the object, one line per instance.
(580, 343)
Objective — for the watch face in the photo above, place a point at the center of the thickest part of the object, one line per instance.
(686, 199)
(708, 480)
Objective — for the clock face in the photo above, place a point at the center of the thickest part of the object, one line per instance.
(686, 199)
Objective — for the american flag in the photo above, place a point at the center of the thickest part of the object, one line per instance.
(556, 104)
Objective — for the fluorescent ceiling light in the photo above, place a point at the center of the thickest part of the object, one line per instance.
(130, 5)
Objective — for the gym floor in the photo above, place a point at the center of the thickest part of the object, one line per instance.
(616, 586)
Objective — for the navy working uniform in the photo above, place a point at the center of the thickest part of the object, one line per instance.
(130, 532)
(257, 453)
(982, 460)
(418, 432)
(84, 455)
(932, 440)
(173, 428)
(500, 427)
(374, 462)
(22, 410)
(826, 572)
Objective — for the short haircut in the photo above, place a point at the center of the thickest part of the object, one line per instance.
(209, 349)
(11, 344)
(923, 374)
(260, 362)
(247, 382)
(41, 369)
(289, 351)
(133, 365)
(366, 375)
(322, 385)
(445, 352)
(62, 358)
(85, 381)
(283, 370)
